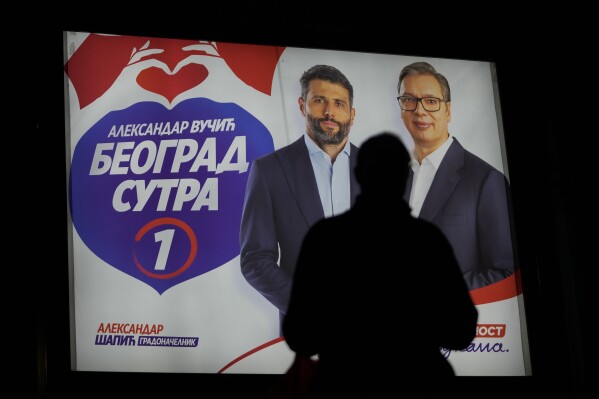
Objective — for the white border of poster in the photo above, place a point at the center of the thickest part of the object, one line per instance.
(206, 318)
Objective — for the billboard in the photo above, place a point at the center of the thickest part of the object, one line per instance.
(161, 135)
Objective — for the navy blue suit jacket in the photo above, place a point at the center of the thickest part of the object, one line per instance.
(469, 201)
(281, 203)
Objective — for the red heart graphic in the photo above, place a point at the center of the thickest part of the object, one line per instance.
(170, 86)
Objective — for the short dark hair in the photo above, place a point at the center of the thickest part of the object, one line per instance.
(424, 68)
(328, 73)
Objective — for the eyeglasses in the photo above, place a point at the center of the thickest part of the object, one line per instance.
(430, 104)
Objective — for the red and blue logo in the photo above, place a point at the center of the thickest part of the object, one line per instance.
(157, 191)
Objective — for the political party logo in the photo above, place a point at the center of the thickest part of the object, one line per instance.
(157, 191)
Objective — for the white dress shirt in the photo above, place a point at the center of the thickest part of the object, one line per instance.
(424, 173)
(332, 179)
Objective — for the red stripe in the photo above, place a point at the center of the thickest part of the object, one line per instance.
(256, 349)
(504, 289)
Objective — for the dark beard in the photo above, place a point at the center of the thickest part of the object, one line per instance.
(322, 137)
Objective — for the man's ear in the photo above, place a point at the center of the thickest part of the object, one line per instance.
(300, 102)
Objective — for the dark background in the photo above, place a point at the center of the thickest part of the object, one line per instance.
(547, 135)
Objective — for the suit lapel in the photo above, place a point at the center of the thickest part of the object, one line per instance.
(297, 168)
(298, 171)
(445, 181)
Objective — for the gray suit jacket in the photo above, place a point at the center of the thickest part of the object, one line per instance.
(469, 201)
(281, 204)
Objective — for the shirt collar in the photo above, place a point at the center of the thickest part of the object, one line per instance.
(436, 156)
(314, 149)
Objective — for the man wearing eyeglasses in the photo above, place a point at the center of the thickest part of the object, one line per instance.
(463, 195)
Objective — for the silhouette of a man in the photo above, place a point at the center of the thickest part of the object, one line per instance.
(358, 298)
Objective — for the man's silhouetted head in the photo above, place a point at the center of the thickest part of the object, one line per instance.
(383, 165)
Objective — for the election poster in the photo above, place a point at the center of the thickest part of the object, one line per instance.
(161, 134)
